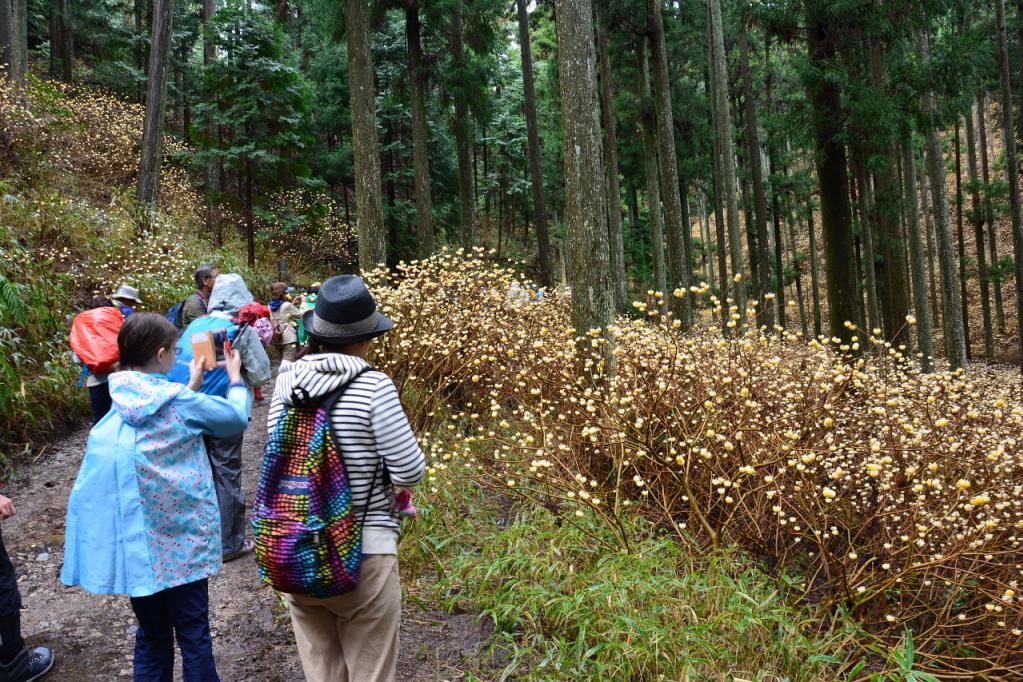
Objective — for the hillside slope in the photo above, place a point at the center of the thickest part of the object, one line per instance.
(68, 232)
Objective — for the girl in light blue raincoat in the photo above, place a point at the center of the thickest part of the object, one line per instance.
(143, 518)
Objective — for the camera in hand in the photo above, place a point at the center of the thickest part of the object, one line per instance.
(210, 347)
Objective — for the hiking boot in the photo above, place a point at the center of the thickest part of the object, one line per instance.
(27, 665)
(247, 548)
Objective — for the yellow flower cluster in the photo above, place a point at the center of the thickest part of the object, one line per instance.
(82, 133)
(317, 236)
(894, 494)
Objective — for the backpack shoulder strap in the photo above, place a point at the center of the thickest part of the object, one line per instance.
(234, 333)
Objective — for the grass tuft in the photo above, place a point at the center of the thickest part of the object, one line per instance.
(566, 609)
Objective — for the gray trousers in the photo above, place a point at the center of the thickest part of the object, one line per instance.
(226, 461)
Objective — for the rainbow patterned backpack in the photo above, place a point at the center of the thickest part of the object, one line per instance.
(308, 539)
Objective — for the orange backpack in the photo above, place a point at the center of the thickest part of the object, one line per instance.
(94, 338)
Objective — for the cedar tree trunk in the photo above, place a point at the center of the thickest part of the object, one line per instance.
(369, 207)
(585, 204)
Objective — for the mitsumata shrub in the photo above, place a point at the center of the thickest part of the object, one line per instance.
(310, 230)
(83, 137)
(67, 232)
(896, 496)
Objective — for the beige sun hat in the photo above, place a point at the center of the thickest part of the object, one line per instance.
(126, 293)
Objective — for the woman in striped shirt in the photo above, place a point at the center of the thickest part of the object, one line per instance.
(354, 636)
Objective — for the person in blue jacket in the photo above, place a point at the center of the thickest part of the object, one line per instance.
(143, 518)
(230, 294)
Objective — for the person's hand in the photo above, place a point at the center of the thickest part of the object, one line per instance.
(196, 372)
(7, 509)
(233, 365)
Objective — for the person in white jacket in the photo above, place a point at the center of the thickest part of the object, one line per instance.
(284, 315)
(354, 636)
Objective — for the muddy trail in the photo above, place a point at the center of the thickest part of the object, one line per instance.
(93, 636)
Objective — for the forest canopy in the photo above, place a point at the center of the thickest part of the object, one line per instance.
(803, 159)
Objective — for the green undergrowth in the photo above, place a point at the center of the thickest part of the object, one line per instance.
(66, 236)
(564, 608)
(36, 375)
(56, 252)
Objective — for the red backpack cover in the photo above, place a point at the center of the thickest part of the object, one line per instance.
(94, 338)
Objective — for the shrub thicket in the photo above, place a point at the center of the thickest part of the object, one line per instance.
(895, 496)
(85, 144)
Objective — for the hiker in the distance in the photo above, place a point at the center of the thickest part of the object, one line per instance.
(195, 305)
(305, 304)
(142, 517)
(284, 315)
(354, 636)
(17, 662)
(126, 298)
(257, 316)
(94, 334)
(229, 296)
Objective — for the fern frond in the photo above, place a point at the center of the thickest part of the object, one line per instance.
(12, 309)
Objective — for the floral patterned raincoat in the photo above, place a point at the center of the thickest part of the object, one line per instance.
(143, 513)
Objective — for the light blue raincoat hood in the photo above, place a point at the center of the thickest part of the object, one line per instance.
(137, 396)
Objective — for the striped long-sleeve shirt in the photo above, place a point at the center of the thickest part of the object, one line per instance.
(372, 430)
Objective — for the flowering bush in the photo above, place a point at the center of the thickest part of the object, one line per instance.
(896, 496)
(87, 138)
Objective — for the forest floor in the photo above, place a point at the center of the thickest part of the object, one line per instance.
(93, 636)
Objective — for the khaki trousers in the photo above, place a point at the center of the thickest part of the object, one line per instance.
(352, 637)
(288, 351)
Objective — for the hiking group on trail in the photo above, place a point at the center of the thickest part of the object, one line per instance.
(158, 506)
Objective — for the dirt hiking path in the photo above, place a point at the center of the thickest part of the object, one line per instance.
(93, 636)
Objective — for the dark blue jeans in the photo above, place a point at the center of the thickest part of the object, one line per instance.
(99, 401)
(182, 611)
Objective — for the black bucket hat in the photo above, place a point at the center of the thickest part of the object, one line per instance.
(345, 313)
